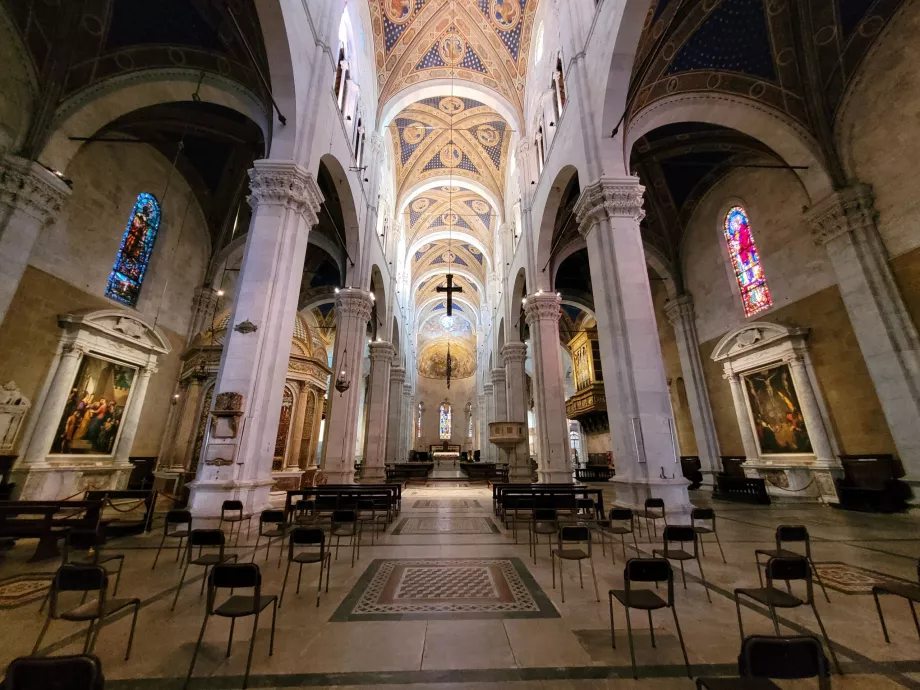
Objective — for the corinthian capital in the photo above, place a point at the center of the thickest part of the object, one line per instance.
(380, 351)
(679, 309)
(284, 183)
(514, 352)
(30, 188)
(609, 198)
(498, 376)
(397, 376)
(843, 211)
(353, 302)
(542, 306)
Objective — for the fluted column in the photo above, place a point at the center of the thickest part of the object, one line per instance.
(352, 312)
(292, 459)
(748, 442)
(30, 198)
(681, 315)
(285, 199)
(638, 405)
(132, 417)
(542, 312)
(500, 396)
(513, 355)
(47, 424)
(395, 414)
(845, 224)
(489, 451)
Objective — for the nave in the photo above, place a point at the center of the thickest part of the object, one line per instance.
(446, 599)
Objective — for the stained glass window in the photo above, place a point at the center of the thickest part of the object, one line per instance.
(418, 422)
(755, 295)
(444, 425)
(134, 253)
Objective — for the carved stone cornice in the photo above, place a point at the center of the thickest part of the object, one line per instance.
(542, 306)
(284, 183)
(609, 198)
(680, 310)
(381, 351)
(844, 211)
(498, 376)
(514, 353)
(353, 302)
(29, 188)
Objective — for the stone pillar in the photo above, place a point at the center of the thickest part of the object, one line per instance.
(352, 312)
(204, 309)
(811, 413)
(378, 403)
(542, 312)
(285, 199)
(184, 440)
(489, 451)
(482, 426)
(500, 396)
(407, 427)
(395, 414)
(30, 198)
(292, 456)
(681, 315)
(311, 424)
(47, 424)
(642, 430)
(132, 417)
(845, 223)
(513, 354)
(748, 442)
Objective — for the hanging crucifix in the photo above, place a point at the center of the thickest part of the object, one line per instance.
(449, 367)
(450, 290)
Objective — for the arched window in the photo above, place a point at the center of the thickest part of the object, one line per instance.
(134, 253)
(418, 425)
(444, 422)
(755, 295)
(541, 160)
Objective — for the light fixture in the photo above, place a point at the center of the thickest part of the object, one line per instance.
(220, 293)
(336, 291)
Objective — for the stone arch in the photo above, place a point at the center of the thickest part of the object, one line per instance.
(350, 230)
(457, 181)
(433, 88)
(20, 86)
(377, 289)
(551, 209)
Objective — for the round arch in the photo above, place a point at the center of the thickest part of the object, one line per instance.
(453, 235)
(456, 270)
(548, 219)
(433, 88)
(459, 181)
(351, 232)
(424, 310)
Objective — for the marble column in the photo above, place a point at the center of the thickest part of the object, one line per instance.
(395, 414)
(542, 312)
(285, 199)
(352, 312)
(748, 442)
(489, 450)
(682, 317)
(378, 404)
(482, 426)
(30, 198)
(132, 417)
(513, 355)
(311, 425)
(50, 416)
(845, 223)
(204, 309)
(500, 396)
(407, 425)
(811, 413)
(183, 443)
(642, 433)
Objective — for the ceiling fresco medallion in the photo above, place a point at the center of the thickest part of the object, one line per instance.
(450, 218)
(432, 362)
(398, 11)
(421, 205)
(451, 49)
(414, 133)
(480, 207)
(451, 105)
(451, 155)
(488, 135)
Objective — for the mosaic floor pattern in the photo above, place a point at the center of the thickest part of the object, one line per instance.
(441, 503)
(454, 588)
(446, 525)
(21, 589)
(852, 579)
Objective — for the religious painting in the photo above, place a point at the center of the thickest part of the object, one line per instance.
(775, 409)
(134, 253)
(398, 11)
(92, 415)
(452, 49)
(505, 13)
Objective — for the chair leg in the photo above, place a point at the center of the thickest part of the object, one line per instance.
(87, 646)
(271, 640)
(179, 549)
(632, 651)
(703, 578)
(160, 548)
(553, 558)
(230, 638)
(299, 576)
(319, 582)
(191, 667)
(594, 575)
(179, 588)
(913, 613)
(121, 564)
(651, 629)
(287, 571)
(337, 540)
(881, 617)
(252, 645)
(328, 571)
(719, 542)
(740, 623)
(680, 637)
(702, 545)
(137, 607)
(775, 620)
(683, 575)
(256, 547)
(204, 581)
(818, 578)
(635, 543)
(613, 637)
(581, 579)
(759, 574)
(561, 580)
(827, 640)
(41, 635)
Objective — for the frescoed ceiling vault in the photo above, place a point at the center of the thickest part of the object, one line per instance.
(451, 211)
(482, 41)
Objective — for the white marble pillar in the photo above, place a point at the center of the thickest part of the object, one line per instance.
(407, 425)
(500, 396)
(489, 451)
(682, 317)
(748, 442)
(132, 417)
(542, 312)
(811, 413)
(204, 309)
(285, 199)
(56, 398)
(482, 426)
(378, 404)
(513, 355)
(845, 223)
(642, 431)
(395, 414)
(30, 198)
(352, 312)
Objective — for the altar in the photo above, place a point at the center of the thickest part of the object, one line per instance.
(445, 454)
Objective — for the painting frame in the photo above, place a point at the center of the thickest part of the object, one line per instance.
(775, 412)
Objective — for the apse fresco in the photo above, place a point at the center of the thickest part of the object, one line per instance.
(432, 360)
(777, 417)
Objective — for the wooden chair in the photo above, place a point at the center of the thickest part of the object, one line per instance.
(345, 524)
(654, 510)
(232, 512)
(574, 544)
(545, 521)
(790, 534)
(272, 524)
(203, 539)
(706, 515)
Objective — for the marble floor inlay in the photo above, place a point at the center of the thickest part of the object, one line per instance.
(852, 579)
(446, 503)
(451, 588)
(446, 525)
(21, 589)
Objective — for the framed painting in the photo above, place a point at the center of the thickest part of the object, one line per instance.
(775, 412)
(95, 406)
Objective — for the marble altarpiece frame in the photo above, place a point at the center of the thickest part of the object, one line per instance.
(784, 424)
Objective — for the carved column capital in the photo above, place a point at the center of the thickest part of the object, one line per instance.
(31, 188)
(542, 306)
(407, 390)
(286, 184)
(514, 353)
(381, 351)
(609, 198)
(844, 211)
(680, 310)
(498, 376)
(487, 389)
(397, 376)
(353, 302)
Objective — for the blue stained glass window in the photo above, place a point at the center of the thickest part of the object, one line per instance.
(134, 253)
(444, 426)
(755, 295)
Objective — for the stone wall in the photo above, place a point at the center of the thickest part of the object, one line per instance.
(431, 393)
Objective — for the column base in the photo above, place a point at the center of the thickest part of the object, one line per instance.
(555, 476)
(632, 494)
(206, 497)
(339, 476)
(373, 474)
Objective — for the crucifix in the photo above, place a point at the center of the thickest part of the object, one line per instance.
(450, 290)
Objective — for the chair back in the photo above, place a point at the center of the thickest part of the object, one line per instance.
(78, 578)
(82, 540)
(791, 533)
(649, 570)
(177, 516)
(307, 536)
(575, 534)
(765, 656)
(344, 516)
(788, 569)
(654, 503)
(621, 515)
(274, 517)
(72, 672)
(231, 505)
(205, 538)
(233, 576)
(545, 515)
(702, 514)
(684, 534)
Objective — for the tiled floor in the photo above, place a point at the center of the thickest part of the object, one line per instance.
(455, 579)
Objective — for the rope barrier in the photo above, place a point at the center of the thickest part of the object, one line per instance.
(792, 491)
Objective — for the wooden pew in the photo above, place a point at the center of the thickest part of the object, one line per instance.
(47, 521)
(741, 490)
(408, 470)
(872, 483)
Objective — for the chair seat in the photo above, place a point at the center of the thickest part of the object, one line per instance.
(545, 528)
(771, 595)
(98, 560)
(238, 605)
(179, 533)
(702, 530)
(639, 599)
(571, 554)
(238, 518)
(308, 557)
(344, 530)
(90, 609)
(209, 559)
(777, 553)
(674, 554)
(911, 592)
(737, 684)
(649, 515)
(272, 533)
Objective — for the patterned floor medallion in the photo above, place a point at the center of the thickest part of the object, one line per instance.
(442, 503)
(851, 579)
(454, 588)
(21, 589)
(446, 525)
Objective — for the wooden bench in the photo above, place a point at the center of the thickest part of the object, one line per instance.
(594, 473)
(741, 490)
(505, 497)
(408, 470)
(47, 521)
(871, 483)
(483, 471)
